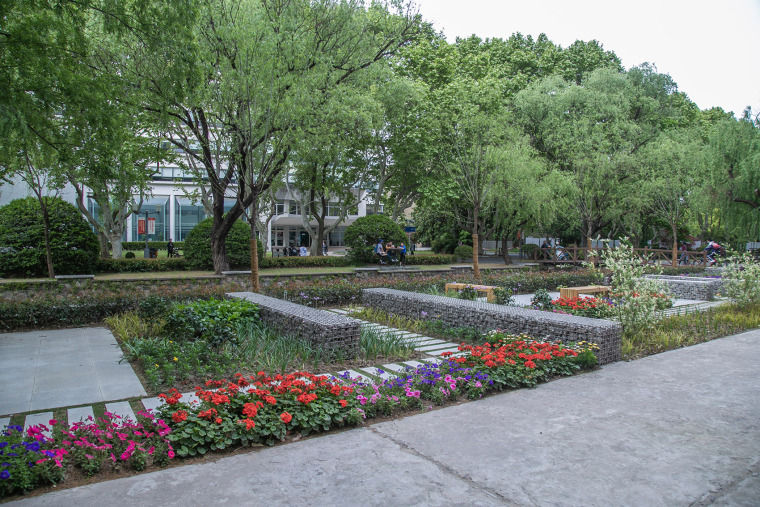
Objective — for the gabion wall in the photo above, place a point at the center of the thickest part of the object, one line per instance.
(702, 289)
(489, 316)
(330, 330)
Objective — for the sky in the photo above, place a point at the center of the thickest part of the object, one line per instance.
(710, 48)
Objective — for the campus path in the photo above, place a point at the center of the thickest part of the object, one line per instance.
(678, 428)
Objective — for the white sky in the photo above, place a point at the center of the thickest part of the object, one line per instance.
(711, 48)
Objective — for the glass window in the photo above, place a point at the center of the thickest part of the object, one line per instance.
(295, 208)
(333, 209)
(336, 237)
(186, 216)
(278, 236)
(279, 208)
(158, 209)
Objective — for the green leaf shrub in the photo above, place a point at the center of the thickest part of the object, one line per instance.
(214, 321)
(361, 236)
(140, 245)
(463, 252)
(468, 293)
(743, 275)
(74, 247)
(129, 255)
(133, 265)
(197, 248)
(305, 262)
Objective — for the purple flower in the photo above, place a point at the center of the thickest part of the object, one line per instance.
(5, 474)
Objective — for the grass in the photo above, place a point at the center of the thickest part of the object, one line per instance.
(685, 330)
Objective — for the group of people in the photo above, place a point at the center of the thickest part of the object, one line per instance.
(546, 251)
(387, 252)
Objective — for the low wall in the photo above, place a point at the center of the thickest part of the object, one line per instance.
(327, 329)
(488, 316)
(690, 287)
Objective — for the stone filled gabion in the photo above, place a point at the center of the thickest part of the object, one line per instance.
(332, 331)
(701, 289)
(489, 316)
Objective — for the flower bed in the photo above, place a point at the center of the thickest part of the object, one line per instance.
(595, 308)
(32, 459)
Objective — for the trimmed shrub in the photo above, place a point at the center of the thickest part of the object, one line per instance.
(463, 252)
(429, 260)
(133, 265)
(129, 255)
(305, 262)
(74, 246)
(361, 236)
(140, 245)
(197, 250)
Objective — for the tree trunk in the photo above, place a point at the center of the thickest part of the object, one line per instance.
(103, 240)
(116, 247)
(475, 246)
(254, 248)
(675, 247)
(46, 223)
(505, 250)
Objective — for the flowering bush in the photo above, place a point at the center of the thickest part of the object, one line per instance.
(34, 459)
(743, 275)
(27, 462)
(584, 307)
(259, 409)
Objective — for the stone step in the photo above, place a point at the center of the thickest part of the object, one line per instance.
(40, 418)
(121, 409)
(441, 351)
(79, 414)
(437, 346)
(380, 372)
(353, 375)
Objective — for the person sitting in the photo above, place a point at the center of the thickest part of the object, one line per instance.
(545, 247)
(390, 249)
(303, 252)
(684, 258)
(380, 251)
(402, 254)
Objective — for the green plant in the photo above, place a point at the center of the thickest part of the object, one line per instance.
(197, 249)
(129, 255)
(362, 235)
(74, 247)
(743, 276)
(446, 243)
(153, 306)
(504, 296)
(468, 293)
(542, 300)
(212, 321)
(376, 344)
(635, 298)
(463, 252)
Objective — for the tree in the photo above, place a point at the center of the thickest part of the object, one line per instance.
(256, 75)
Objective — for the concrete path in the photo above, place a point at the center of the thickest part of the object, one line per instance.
(61, 368)
(678, 428)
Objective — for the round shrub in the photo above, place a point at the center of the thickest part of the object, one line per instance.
(74, 247)
(198, 246)
(129, 255)
(361, 236)
(444, 244)
(463, 252)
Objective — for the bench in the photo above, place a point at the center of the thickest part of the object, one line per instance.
(332, 331)
(574, 292)
(486, 290)
(488, 316)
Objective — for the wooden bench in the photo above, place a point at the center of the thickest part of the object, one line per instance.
(486, 290)
(574, 292)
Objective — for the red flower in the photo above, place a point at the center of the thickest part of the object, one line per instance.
(218, 420)
(249, 423)
(250, 410)
(286, 418)
(179, 416)
(343, 403)
(530, 364)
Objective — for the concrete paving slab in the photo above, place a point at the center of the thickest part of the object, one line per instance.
(152, 403)
(122, 409)
(356, 376)
(398, 368)
(63, 367)
(436, 346)
(40, 418)
(379, 372)
(79, 414)
(416, 364)
(4, 421)
(441, 351)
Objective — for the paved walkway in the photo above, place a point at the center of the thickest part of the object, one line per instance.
(678, 428)
(62, 367)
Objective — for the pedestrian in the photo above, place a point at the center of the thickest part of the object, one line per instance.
(684, 259)
(412, 247)
(170, 248)
(324, 247)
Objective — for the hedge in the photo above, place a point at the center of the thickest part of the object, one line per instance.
(304, 262)
(90, 307)
(138, 265)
